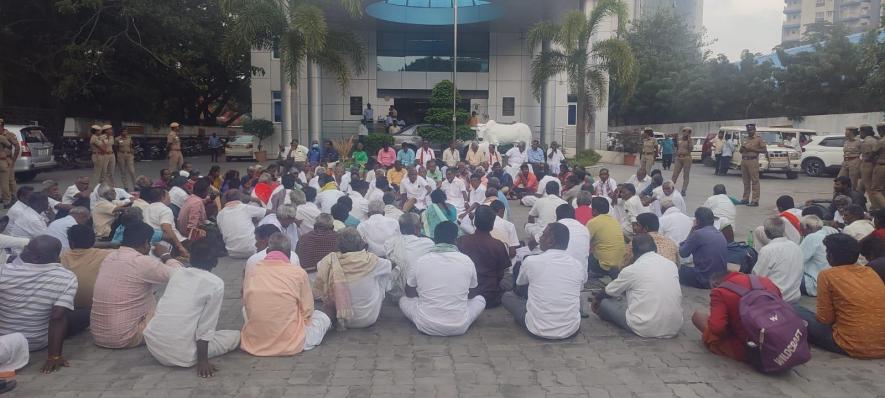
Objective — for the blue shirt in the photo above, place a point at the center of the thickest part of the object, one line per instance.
(667, 147)
(708, 248)
(406, 157)
(503, 199)
(331, 155)
(814, 257)
(368, 115)
(728, 148)
(214, 142)
(535, 155)
(314, 155)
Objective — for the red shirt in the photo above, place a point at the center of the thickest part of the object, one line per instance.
(725, 334)
(530, 182)
(584, 214)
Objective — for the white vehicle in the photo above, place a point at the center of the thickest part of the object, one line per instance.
(780, 159)
(697, 149)
(243, 147)
(36, 155)
(823, 155)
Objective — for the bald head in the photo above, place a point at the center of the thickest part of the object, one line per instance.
(43, 249)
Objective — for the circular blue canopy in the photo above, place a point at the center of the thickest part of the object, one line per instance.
(433, 12)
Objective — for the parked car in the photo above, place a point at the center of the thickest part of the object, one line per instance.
(409, 135)
(822, 155)
(780, 159)
(241, 147)
(36, 151)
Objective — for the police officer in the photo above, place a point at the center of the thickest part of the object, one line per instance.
(851, 150)
(173, 141)
(101, 148)
(126, 159)
(108, 133)
(868, 157)
(683, 158)
(649, 149)
(750, 150)
(6, 173)
(877, 196)
(15, 152)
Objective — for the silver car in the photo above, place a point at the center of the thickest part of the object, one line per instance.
(36, 151)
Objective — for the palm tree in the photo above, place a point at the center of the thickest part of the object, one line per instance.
(588, 67)
(300, 31)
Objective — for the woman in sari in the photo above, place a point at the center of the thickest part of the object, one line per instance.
(438, 212)
(351, 282)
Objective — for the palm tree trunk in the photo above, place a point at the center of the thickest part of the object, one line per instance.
(581, 124)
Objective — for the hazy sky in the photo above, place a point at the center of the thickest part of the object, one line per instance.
(743, 24)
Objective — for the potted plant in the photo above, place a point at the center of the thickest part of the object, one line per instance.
(261, 128)
(631, 141)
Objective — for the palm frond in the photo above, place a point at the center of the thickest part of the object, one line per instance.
(334, 63)
(545, 65)
(543, 31)
(292, 55)
(596, 83)
(608, 8)
(616, 57)
(573, 33)
(350, 46)
(310, 22)
(255, 25)
(354, 8)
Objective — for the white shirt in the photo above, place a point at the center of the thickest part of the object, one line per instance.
(375, 194)
(423, 155)
(578, 239)
(542, 185)
(859, 229)
(605, 188)
(367, 295)
(177, 196)
(654, 298)
(291, 231)
(122, 195)
(314, 183)
(477, 195)
(675, 225)
(443, 281)
(451, 157)
(258, 256)
(25, 223)
(187, 312)
(58, 229)
(307, 215)
(544, 210)
(344, 184)
(723, 209)
(781, 261)
(505, 231)
(238, 229)
(455, 191)
(675, 197)
(555, 281)
(360, 207)
(633, 207)
(326, 199)
(391, 211)
(415, 190)
(405, 250)
(68, 197)
(158, 214)
(640, 185)
(515, 158)
(376, 230)
(554, 160)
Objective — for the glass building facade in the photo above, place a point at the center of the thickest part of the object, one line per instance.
(431, 51)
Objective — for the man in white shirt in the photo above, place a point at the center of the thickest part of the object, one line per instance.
(856, 225)
(790, 214)
(236, 222)
(416, 190)
(28, 220)
(451, 156)
(674, 223)
(516, 156)
(640, 180)
(477, 195)
(437, 287)
(404, 251)
(177, 194)
(377, 229)
(552, 309)
(425, 154)
(328, 194)
(159, 216)
(632, 206)
(455, 189)
(390, 209)
(182, 330)
(666, 191)
(307, 212)
(605, 186)
(284, 220)
(652, 306)
(722, 207)
(579, 235)
(544, 211)
(58, 229)
(781, 260)
(504, 230)
(357, 194)
(80, 190)
(529, 200)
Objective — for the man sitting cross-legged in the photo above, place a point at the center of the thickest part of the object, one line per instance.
(182, 332)
(438, 285)
(555, 279)
(404, 251)
(490, 256)
(278, 306)
(351, 281)
(653, 303)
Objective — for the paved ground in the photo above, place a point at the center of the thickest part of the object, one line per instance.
(494, 358)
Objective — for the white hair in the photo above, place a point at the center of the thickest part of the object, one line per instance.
(667, 184)
(774, 227)
(376, 207)
(286, 211)
(811, 223)
(666, 203)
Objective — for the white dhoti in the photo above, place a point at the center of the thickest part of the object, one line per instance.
(535, 230)
(528, 200)
(316, 330)
(14, 354)
(409, 307)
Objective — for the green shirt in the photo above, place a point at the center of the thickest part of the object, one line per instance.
(360, 157)
(435, 176)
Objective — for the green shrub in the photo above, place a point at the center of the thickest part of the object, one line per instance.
(374, 142)
(585, 158)
(440, 116)
(261, 128)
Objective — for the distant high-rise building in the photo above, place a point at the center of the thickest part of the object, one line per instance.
(690, 11)
(857, 15)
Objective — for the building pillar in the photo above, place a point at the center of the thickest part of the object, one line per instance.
(287, 124)
(548, 107)
(314, 101)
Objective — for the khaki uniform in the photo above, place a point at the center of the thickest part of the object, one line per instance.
(126, 161)
(6, 172)
(15, 152)
(851, 161)
(103, 154)
(683, 162)
(868, 162)
(175, 158)
(750, 150)
(649, 152)
(877, 196)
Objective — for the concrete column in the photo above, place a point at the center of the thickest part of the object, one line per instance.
(548, 107)
(286, 95)
(314, 101)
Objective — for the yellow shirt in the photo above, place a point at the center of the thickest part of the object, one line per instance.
(475, 158)
(607, 241)
(85, 263)
(394, 177)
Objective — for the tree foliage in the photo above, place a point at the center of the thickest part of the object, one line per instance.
(679, 80)
(261, 128)
(440, 116)
(151, 60)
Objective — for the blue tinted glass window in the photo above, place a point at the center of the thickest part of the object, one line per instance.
(572, 114)
(277, 107)
(431, 51)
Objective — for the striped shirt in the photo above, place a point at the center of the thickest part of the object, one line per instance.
(27, 294)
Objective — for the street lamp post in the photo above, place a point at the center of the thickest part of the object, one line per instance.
(455, 73)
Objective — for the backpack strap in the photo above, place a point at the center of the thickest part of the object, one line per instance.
(755, 284)
(734, 287)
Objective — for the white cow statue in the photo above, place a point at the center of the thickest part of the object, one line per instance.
(497, 134)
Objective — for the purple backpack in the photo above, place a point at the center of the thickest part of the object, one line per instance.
(778, 337)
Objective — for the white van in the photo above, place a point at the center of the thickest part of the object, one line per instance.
(781, 158)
